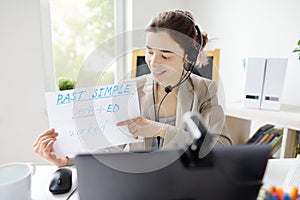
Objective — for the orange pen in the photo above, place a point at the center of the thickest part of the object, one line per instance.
(294, 193)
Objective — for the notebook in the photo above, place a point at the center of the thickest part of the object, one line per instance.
(234, 172)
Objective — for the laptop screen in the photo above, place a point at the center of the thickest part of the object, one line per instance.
(234, 172)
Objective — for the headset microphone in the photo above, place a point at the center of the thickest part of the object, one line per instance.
(169, 88)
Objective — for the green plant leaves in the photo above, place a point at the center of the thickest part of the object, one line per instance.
(297, 49)
(66, 84)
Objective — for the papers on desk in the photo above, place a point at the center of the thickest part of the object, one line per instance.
(293, 177)
(86, 118)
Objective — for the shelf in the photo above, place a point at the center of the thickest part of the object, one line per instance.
(239, 119)
(288, 116)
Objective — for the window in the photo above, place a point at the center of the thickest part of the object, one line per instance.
(78, 27)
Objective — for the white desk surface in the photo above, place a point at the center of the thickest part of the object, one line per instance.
(275, 173)
(41, 180)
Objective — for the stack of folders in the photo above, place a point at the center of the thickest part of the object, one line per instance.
(268, 134)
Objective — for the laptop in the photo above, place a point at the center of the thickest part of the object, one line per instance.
(233, 173)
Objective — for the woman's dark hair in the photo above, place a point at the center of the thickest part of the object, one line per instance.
(175, 22)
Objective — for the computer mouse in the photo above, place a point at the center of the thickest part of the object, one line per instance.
(61, 181)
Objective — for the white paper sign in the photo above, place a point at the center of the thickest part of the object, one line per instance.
(86, 118)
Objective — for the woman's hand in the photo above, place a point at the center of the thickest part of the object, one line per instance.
(43, 146)
(140, 126)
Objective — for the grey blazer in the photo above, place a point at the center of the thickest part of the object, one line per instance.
(195, 94)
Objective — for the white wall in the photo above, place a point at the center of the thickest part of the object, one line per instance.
(144, 10)
(268, 28)
(22, 107)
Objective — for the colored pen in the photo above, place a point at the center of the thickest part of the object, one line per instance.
(286, 197)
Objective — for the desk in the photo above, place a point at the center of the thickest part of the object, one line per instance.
(275, 173)
(41, 180)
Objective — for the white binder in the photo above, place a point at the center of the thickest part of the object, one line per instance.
(255, 72)
(273, 85)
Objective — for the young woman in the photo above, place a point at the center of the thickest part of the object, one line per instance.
(174, 45)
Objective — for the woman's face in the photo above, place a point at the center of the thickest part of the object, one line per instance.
(164, 57)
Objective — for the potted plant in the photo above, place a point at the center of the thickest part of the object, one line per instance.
(66, 84)
(297, 50)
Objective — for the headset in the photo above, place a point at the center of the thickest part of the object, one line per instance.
(192, 54)
(194, 51)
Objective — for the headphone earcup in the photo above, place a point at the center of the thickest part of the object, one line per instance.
(192, 59)
(193, 52)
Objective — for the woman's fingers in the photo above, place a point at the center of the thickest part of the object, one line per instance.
(45, 150)
(39, 143)
(133, 129)
(123, 123)
(45, 143)
(48, 149)
(140, 126)
(44, 135)
(132, 126)
(41, 146)
(126, 122)
(42, 142)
